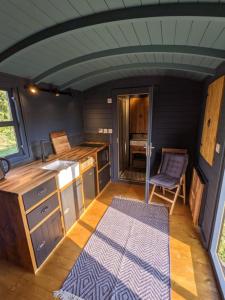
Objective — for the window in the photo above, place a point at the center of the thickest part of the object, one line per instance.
(221, 245)
(11, 131)
(217, 248)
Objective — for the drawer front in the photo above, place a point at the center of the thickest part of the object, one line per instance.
(38, 193)
(46, 237)
(104, 177)
(44, 209)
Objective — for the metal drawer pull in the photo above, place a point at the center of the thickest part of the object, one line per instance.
(90, 174)
(41, 246)
(42, 191)
(44, 209)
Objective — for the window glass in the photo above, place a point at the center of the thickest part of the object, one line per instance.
(8, 141)
(5, 110)
(221, 248)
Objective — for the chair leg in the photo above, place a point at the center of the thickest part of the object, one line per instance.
(174, 200)
(184, 189)
(152, 193)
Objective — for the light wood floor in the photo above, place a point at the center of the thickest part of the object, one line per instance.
(191, 273)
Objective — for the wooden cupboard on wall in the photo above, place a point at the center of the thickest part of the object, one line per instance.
(139, 114)
(196, 194)
(211, 119)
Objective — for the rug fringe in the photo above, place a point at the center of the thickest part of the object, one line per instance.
(63, 295)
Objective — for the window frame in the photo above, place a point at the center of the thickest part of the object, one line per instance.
(18, 124)
(216, 233)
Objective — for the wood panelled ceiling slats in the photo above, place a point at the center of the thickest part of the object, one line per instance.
(26, 17)
(168, 31)
(147, 2)
(197, 32)
(98, 5)
(129, 3)
(131, 73)
(220, 40)
(155, 31)
(82, 7)
(134, 58)
(115, 4)
(142, 33)
(32, 11)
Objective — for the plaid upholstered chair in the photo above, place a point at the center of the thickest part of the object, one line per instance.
(171, 176)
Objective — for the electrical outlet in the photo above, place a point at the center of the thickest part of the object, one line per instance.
(218, 148)
(100, 130)
(105, 130)
(110, 130)
(109, 100)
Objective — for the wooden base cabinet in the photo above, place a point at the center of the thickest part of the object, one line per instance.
(104, 177)
(89, 186)
(72, 203)
(46, 237)
(30, 225)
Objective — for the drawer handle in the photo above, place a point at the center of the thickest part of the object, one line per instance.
(90, 174)
(44, 209)
(41, 246)
(42, 191)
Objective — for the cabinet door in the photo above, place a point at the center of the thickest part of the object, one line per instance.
(211, 119)
(46, 237)
(79, 203)
(89, 186)
(104, 177)
(68, 206)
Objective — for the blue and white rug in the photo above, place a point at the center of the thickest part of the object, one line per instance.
(127, 257)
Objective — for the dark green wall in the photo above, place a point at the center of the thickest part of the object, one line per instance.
(45, 112)
(176, 115)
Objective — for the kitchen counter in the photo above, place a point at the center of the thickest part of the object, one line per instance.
(21, 179)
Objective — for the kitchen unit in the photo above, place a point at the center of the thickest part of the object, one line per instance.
(42, 201)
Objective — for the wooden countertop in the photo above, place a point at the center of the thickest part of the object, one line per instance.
(22, 179)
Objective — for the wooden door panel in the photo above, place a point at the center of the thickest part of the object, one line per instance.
(138, 114)
(211, 119)
(195, 198)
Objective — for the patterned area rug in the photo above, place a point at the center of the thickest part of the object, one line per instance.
(127, 257)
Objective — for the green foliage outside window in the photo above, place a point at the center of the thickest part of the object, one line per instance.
(8, 141)
(221, 249)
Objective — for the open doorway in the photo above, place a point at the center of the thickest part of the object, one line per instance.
(132, 136)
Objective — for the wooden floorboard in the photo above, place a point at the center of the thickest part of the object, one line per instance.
(191, 273)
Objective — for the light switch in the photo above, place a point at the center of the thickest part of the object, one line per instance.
(100, 130)
(218, 148)
(109, 100)
(110, 130)
(105, 130)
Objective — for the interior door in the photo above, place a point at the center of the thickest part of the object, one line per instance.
(149, 146)
(123, 113)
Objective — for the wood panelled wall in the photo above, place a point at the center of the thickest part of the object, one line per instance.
(177, 107)
(44, 113)
(211, 173)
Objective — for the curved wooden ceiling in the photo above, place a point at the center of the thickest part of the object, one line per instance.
(81, 43)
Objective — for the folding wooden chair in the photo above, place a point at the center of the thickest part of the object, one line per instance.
(171, 176)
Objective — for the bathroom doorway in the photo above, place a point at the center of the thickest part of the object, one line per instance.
(133, 112)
